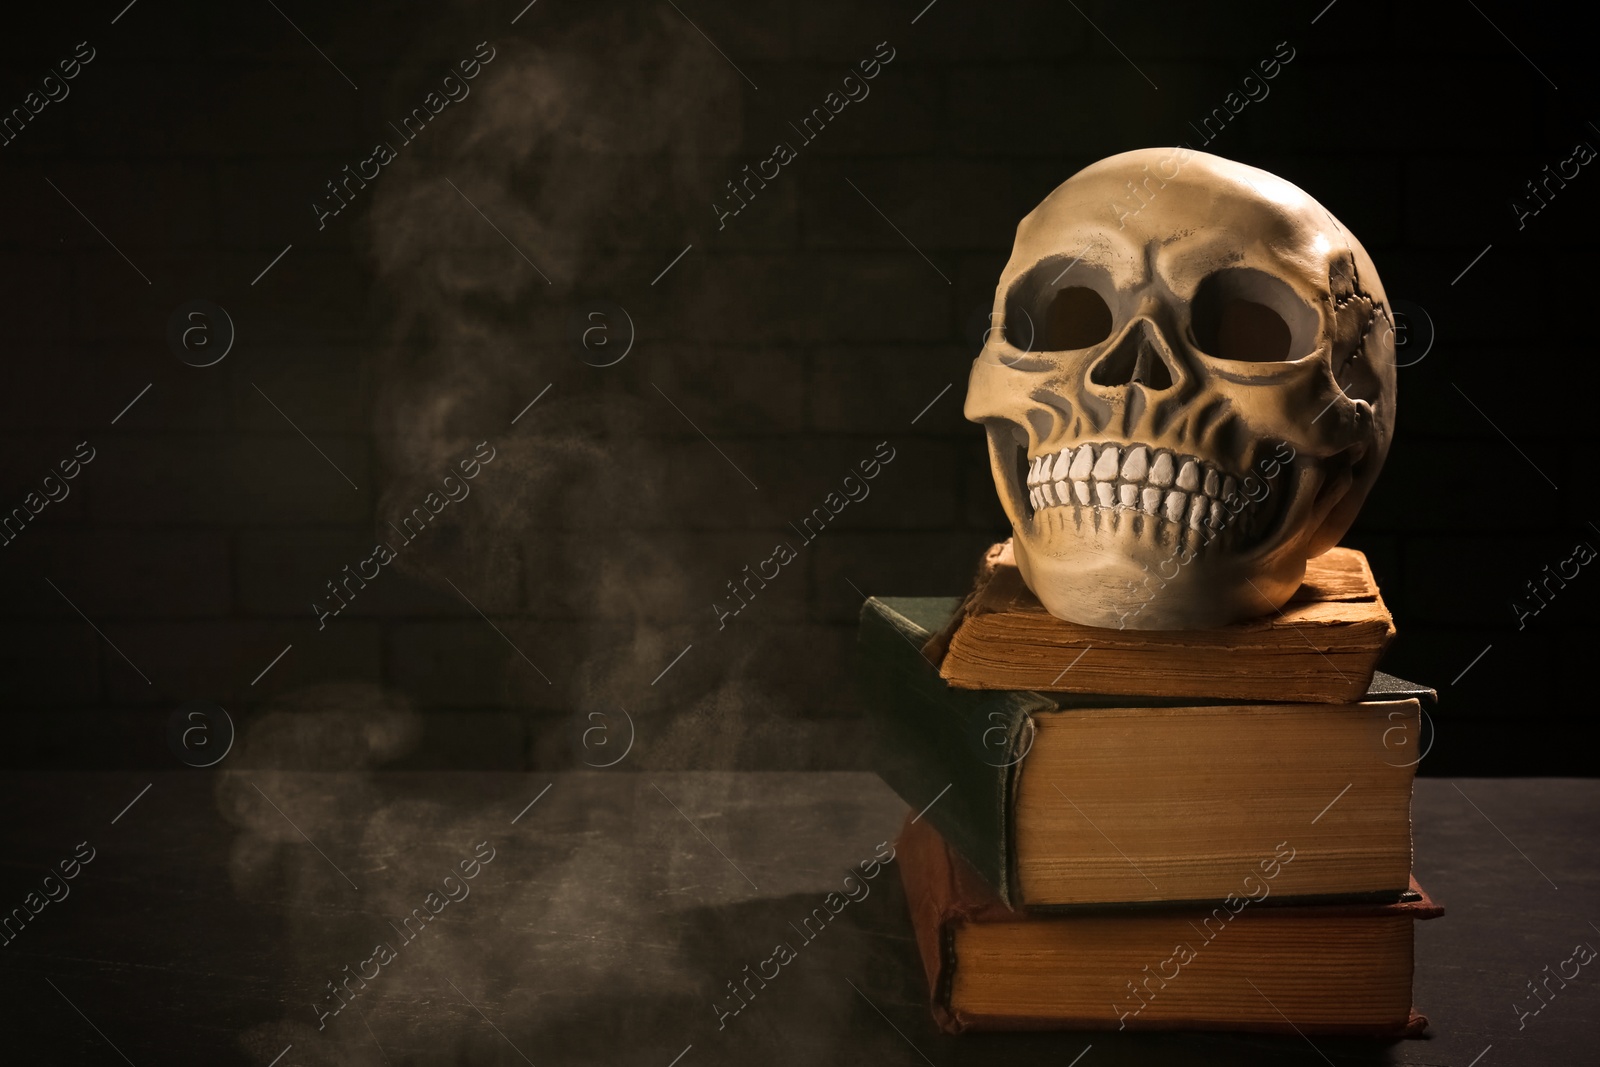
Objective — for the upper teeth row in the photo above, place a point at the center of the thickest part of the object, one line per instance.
(1177, 487)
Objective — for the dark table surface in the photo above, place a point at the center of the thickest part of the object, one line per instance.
(219, 906)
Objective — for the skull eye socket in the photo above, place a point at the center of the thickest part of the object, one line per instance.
(1248, 316)
(1077, 317)
(1061, 303)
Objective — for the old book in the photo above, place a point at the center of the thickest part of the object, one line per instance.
(1068, 799)
(1322, 646)
(1246, 965)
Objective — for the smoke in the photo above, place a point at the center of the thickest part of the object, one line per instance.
(602, 911)
(571, 171)
(592, 148)
(579, 165)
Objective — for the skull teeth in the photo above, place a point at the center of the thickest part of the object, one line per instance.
(1183, 490)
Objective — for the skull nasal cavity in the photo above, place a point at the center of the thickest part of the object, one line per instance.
(1136, 359)
(1076, 318)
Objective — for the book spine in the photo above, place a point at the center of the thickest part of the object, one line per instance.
(931, 896)
(951, 754)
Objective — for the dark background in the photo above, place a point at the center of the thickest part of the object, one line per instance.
(796, 338)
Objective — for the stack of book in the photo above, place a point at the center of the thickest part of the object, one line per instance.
(1139, 829)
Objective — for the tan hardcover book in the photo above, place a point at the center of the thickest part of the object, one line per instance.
(1152, 804)
(1323, 646)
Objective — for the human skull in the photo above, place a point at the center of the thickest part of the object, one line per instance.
(1188, 389)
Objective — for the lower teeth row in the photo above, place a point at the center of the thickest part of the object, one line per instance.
(1174, 505)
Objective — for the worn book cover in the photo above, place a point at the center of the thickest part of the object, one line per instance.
(1246, 964)
(1322, 646)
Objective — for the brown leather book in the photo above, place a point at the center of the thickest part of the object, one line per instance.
(1322, 647)
(1245, 964)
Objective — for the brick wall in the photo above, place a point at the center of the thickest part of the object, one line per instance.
(767, 362)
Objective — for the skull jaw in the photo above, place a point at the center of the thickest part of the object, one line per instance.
(1096, 582)
(1119, 570)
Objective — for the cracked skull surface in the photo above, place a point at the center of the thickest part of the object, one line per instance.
(1188, 389)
